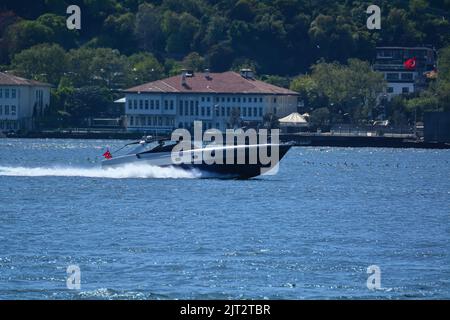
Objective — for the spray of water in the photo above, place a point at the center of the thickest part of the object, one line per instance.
(123, 172)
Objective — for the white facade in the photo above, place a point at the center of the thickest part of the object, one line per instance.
(400, 83)
(18, 104)
(164, 112)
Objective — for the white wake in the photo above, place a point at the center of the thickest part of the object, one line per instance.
(123, 172)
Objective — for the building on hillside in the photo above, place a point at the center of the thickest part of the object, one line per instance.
(21, 100)
(403, 79)
(216, 99)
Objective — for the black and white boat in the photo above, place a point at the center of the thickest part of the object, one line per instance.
(236, 161)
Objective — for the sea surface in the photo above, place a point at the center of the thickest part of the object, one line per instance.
(309, 232)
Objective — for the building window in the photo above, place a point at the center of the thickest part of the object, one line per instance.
(141, 104)
(1, 109)
(261, 99)
(157, 104)
(180, 112)
(407, 76)
(234, 99)
(203, 99)
(244, 112)
(249, 112)
(255, 99)
(13, 110)
(228, 99)
(208, 111)
(392, 76)
(171, 104)
(203, 111)
(130, 104)
(217, 111)
(146, 104)
(208, 99)
(223, 99)
(260, 112)
(135, 104)
(223, 111)
(390, 89)
(131, 121)
(274, 100)
(1, 93)
(6, 110)
(255, 112)
(166, 104)
(152, 104)
(6, 93)
(238, 99)
(405, 90)
(228, 111)
(13, 93)
(244, 99)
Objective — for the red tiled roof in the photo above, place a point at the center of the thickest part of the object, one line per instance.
(12, 80)
(226, 82)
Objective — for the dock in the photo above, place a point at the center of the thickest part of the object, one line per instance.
(360, 141)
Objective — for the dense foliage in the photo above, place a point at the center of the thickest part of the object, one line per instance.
(125, 42)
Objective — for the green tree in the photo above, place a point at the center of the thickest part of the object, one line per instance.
(180, 31)
(351, 89)
(118, 32)
(320, 117)
(143, 67)
(309, 91)
(220, 57)
(25, 34)
(44, 62)
(98, 67)
(60, 34)
(92, 101)
(148, 29)
(194, 61)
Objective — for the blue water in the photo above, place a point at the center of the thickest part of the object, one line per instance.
(309, 232)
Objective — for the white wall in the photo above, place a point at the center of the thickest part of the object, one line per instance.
(24, 102)
(253, 108)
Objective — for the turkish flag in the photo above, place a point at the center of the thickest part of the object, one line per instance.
(410, 64)
(107, 155)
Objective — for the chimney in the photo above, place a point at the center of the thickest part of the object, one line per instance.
(247, 73)
(207, 75)
(183, 79)
(189, 73)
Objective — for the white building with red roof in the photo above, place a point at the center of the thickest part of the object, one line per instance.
(20, 100)
(212, 98)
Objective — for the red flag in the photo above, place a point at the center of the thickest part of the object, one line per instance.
(107, 155)
(410, 64)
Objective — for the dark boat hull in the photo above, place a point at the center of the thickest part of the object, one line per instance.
(234, 169)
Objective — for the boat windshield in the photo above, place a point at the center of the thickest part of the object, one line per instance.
(161, 146)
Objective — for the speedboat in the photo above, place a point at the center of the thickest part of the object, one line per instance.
(235, 161)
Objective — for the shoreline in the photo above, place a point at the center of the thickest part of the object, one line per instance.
(300, 140)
